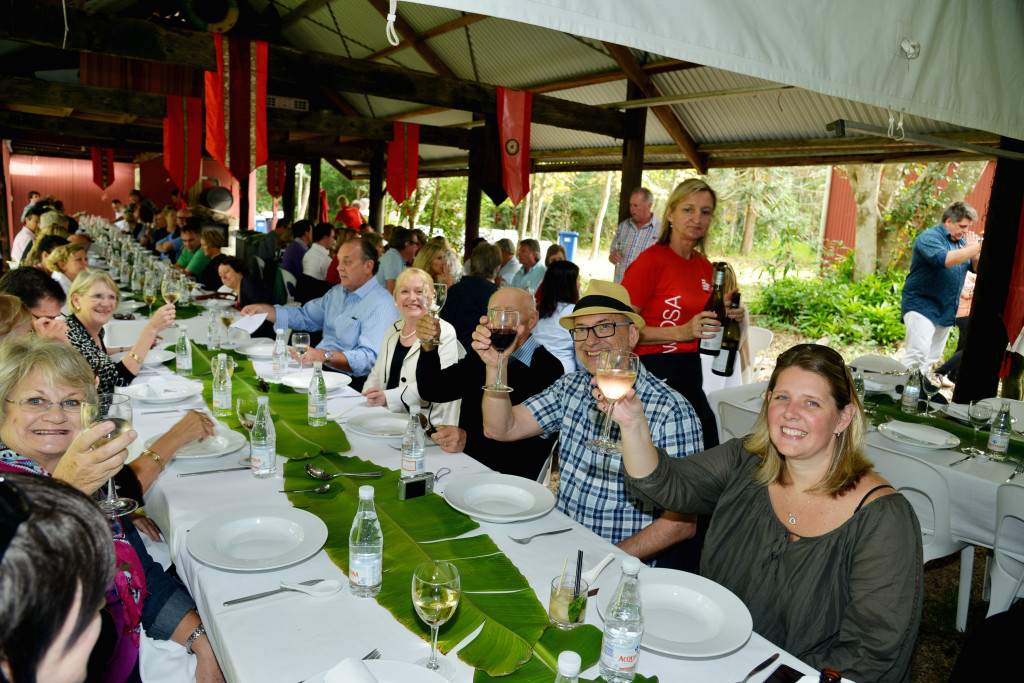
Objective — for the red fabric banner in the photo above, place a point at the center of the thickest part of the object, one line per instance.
(324, 208)
(514, 113)
(403, 161)
(276, 171)
(183, 141)
(1013, 312)
(236, 105)
(103, 167)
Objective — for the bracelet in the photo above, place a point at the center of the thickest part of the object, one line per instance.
(135, 356)
(155, 456)
(200, 630)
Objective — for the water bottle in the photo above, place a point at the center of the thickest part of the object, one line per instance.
(316, 404)
(858, 385)
(222, 387)
(365, 548)
(280, 354)
(623, 627)
(264, 441)
(569, 664)
(213, 331)
(183, 354)
(911, 392)
(412, 445)
(999, 434)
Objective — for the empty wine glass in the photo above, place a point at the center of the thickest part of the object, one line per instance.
(116, 408)
(980, 414)
(300, 340)
(434, 301)
(616, 372)
(503, 324)
(245, 408)
(435, 595)
(929, 389)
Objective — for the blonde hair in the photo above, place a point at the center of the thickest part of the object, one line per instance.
(343, 234)
(849, 463)
(85, 281)
(426, 254)
(213, 238)
(408, 273)
(13, 314)
(60, 364)
(682, 192)
(34, 257)
(62, 254)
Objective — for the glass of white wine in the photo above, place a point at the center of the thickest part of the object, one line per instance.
(434, 298)
(227, 319)
(435, 595)
(300, 340)
(170, 290)
(116, 408)
(616, 372)
(149, 294)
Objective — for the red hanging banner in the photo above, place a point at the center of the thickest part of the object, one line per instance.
(275, 177)
(1013, 312)
(324, 208)
(236, 105)
(514, 113)
(183, 141)
(403, 161)
(103, 167)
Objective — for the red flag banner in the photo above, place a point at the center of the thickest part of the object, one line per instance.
(236, 105)
(514, 113)
(403, 161)
(103, 167)
(183, 141)
(324, 207)
(1013, 312)
(276, 171)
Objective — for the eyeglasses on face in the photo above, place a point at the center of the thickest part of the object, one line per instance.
(41, 405)
(101, 297)
(602, 331)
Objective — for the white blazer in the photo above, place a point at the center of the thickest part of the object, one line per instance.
(406, 394)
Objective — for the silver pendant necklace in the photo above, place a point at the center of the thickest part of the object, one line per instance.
(792, 517)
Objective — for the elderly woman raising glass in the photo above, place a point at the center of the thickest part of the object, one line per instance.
(43, 383)
(392, 381)
(822, 550)
(92, 301)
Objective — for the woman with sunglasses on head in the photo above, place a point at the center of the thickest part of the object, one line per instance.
(825, 554)
(92, 302)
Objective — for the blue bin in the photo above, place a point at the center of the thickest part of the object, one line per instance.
(261, 224)
(568, 241)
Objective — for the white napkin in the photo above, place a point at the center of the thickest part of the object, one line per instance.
(164, 661)
(350, 671)
(959, 411)
(157, 387)
(918, 432)
(249, 323)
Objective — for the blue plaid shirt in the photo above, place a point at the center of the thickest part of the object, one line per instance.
(591, 488)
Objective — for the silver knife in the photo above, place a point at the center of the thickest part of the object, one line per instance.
(226, 469)
(257, 596)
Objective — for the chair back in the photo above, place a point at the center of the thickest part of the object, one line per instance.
(1008, 551)
(758, 341)
(735, 421)
(289, 284)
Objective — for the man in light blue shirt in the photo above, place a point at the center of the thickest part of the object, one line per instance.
(509, 263)
(353, 315)
(402, 250)
(531, 272)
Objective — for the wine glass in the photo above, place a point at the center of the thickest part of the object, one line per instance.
(503, 324)
(980, 414)
(170, 289)
(929, 390)
(227, 319)
(116, 408)
(616, 372)
(434, 302)
(435, 595)
(149, 294)
(300, 340)
(245, 408)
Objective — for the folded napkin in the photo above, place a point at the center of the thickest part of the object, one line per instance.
(350, 671)
(959, 411)
(923, 433)
(159, 387)
(249, 323)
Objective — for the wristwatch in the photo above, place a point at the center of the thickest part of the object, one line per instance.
(200, 630)
(328, 357)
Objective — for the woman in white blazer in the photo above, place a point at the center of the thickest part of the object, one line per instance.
(392, 381)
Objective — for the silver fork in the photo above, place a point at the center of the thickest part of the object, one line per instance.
(1019, 470)
(524, 541)
(372, 654)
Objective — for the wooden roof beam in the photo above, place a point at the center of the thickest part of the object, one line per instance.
(301, 12)
(426, 35)
(337, 166)
(418, 42)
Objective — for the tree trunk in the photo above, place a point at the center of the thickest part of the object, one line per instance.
(888, 186)
(864, 180)
(302, 180)
(599, 221)
(749, 223)
(437, 199)
(419, 200)
(540, 211)
(527, 211)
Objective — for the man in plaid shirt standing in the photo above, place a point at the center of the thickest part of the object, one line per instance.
(591, 488)
(636, 233)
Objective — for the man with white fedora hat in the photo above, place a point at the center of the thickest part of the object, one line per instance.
(591, 488)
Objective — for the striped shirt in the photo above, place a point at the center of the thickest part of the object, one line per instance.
(631, 240)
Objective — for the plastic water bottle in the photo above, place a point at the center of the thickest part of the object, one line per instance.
(280, 354)
(999, 434)
(183, 354)
(213, 332)
(623, 627)
(365, 548)
(412, 445)
(317, 403)
(569, 664)
(911, 392)
(222, 387)
(264, 441)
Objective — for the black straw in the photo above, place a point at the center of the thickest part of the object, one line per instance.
(579, 573)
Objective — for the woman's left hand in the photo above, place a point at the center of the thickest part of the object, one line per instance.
(375, 396)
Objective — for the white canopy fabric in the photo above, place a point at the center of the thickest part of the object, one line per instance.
(970, 71)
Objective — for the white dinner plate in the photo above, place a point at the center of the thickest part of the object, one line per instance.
(918, 435)
(378, 425)
(215, 303)
(299, 381)
(154, 357)
(129, 306)
(254, 539)
(1016, 407)
(179, 390)
(499, 498)
(224, 441)
(873, 368)
(261, 349)
(387, 672)
(687, 615)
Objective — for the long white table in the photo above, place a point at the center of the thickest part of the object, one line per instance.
(290, 637)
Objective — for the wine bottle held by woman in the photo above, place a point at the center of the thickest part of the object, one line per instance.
(716, 304)
(725, 361)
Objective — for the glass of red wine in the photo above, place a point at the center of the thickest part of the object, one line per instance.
(503, 324)
(116, 408)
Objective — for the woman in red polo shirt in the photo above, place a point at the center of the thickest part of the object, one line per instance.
(669, 285)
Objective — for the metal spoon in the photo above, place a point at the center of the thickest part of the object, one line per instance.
(320, 489)
(319, 590)
(319, 473)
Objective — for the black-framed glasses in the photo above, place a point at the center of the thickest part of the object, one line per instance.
(15, 508)
(602, 331)
(41, 405)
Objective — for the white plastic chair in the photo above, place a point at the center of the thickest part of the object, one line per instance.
(262, 265)
(758, 341)
(544, 478)
(734, 421)
(928, 493)
(1006, 571)
(289, 284)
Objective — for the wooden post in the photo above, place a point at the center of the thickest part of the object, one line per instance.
(474, 194)
(632, 151)
(288, 193)
(986, 335)
(313, 207)
(243, 206)
(377, 169)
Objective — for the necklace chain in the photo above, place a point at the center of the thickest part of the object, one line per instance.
(792, 517)
(411, 334)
